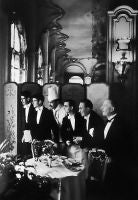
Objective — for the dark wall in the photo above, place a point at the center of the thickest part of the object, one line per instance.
(113, 4)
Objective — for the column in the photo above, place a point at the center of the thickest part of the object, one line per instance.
(45, 45)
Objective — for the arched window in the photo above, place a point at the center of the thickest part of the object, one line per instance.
(40, 69)
(18, 46)
(76, 79)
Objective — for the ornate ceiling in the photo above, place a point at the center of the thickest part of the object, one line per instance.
(77, 29)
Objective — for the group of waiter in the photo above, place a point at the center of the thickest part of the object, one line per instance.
(64, 124)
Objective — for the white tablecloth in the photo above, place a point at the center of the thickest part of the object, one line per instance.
(72, 182)
(58, 170)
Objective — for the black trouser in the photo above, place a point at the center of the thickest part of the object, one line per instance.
(118, 183)
(27, 149)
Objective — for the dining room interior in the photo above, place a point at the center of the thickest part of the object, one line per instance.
(84, 50)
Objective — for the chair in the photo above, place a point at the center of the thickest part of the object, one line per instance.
(97, 164)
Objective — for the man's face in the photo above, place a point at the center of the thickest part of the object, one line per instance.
(24, 100)
(107, 108)
(67, 107)
(82, 109)
(35, 102)
(52, 104)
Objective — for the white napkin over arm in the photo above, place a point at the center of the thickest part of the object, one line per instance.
(27, 137)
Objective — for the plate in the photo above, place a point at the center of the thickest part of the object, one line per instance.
(77, 166)
(55, 157)
(63, 157)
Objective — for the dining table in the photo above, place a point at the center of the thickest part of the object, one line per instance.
(68, 172)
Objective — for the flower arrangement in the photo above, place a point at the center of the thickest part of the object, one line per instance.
(45, 147)
(7, 160)
(48, 147)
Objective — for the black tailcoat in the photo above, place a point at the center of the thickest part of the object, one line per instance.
(118, 142)
(96, 122)
(47, 127)
(67, 131)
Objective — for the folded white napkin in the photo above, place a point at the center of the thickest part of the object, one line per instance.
(27, 136)
(91, 132)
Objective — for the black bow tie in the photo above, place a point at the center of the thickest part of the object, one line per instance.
(109, 120)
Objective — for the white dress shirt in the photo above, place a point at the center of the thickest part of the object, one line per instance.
(39, 112)
(87, 121)
(59, 113)
(27, 133)
(108, 125)
(27, 111)
(72, 120)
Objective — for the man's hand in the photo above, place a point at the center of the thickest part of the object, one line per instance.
(55, 145)
(68, 143)
(27, 136)
(85, 149)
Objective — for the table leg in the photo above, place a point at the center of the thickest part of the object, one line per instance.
(59, 189)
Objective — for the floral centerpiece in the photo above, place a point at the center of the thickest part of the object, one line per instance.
(25, 171)
(7, 159)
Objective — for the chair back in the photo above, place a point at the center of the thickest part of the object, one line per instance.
(44, 147)
(97, 164)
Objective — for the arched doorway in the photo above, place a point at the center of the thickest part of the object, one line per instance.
(74, 73)
(76, 79)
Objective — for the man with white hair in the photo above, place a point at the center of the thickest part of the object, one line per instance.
(117, 138)
(118, 146)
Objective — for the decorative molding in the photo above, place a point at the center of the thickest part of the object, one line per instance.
(120, 38)
(80, 65)
(122, 9)
(10, 114)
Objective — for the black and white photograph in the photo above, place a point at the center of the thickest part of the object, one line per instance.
(68, 100)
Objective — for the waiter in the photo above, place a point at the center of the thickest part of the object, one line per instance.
(93, 133)
(118, 146)
(28, 114)
(73, 124)
(44, 121)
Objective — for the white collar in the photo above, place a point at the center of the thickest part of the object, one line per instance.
(111, 116)
(39, 108)
(59, 106)
(87, 117)
(70, 116)
(27, 105)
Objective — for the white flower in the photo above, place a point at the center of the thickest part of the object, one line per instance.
(18, 175)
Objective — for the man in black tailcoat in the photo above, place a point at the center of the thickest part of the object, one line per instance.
(45, 124)
(118, 146)
(72, 128)
(27, 123)
(93, 133)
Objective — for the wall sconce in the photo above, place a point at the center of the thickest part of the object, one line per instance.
(122, 66)
(123, 44)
